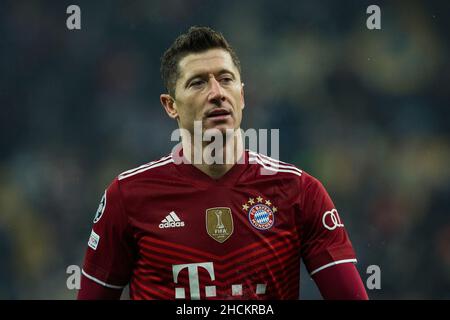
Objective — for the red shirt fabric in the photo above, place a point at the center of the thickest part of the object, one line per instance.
(172, 232)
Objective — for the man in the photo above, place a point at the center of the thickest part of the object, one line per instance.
(234, 229)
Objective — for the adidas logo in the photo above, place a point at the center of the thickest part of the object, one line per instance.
(171, 221)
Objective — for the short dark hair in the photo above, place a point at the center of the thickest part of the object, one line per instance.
(196, 40)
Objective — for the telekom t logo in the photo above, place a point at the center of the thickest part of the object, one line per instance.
(210, 291)
(194, 285)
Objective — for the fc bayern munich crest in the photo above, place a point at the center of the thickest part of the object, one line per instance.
(260, 213)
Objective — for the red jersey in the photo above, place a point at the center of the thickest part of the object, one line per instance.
(172, 232)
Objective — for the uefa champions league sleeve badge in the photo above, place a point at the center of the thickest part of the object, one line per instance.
(101, 208)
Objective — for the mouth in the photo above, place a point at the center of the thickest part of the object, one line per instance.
(218, 114)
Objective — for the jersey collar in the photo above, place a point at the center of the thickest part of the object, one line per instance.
(196, 176)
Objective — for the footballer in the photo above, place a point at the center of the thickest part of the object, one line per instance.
(174, 229)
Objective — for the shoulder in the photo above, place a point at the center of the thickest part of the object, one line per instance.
(151, 168)
(277, 169)
(273, 167)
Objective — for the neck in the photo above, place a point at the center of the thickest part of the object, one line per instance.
(214, 159)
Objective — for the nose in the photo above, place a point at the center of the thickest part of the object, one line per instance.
(216, 94)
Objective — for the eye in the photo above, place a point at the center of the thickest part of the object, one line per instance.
(226, 80)
(197, 83)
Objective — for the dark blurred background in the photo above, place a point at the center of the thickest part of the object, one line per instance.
(365, 111)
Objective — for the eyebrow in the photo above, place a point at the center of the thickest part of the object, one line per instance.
(199, 74)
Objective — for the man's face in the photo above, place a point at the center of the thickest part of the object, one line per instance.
(209, 90)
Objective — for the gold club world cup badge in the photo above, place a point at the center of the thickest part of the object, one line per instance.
(219, 223)
(261, 212)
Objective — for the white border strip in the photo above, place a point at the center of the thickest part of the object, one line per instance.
(269, 158)
(333, 264)
(145, 169)
(100, 282)
(272, 169)
(274, 163)
(144, 165)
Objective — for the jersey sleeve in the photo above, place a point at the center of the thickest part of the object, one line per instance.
(109, 256)
(324, 240)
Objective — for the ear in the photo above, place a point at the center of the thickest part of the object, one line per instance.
(169, 105)
(242, 95)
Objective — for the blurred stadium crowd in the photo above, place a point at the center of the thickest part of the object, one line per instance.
(366, 112)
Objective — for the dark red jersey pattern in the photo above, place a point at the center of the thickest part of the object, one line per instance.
(172, 232)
